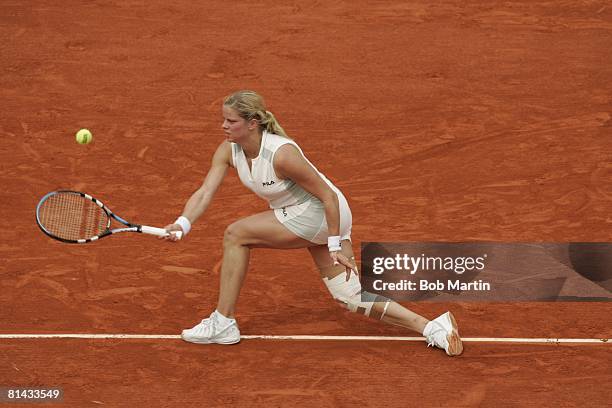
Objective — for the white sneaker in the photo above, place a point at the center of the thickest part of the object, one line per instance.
(211, 330)
(442, 332)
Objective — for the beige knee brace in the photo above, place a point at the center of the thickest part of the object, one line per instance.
(349, 293)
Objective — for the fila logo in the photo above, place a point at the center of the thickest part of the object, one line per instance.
(267, 183)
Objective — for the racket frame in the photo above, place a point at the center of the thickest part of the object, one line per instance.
(129, 227)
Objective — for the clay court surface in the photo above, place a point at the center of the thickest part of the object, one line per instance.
(440, 121)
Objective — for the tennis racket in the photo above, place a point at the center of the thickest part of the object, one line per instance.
(78, 218)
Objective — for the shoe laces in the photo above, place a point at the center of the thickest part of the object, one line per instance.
(210, 322)
(431, 338)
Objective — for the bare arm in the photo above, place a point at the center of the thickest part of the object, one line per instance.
(290, 164)
(200, 200)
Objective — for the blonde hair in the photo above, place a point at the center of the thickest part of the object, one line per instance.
(250, 105)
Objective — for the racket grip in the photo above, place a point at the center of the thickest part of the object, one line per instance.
(160, 232)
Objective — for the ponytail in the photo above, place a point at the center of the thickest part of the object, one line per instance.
(271, 125)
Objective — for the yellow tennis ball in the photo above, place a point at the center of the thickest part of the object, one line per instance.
(84, 136)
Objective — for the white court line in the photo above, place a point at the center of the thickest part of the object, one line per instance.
(304, 337)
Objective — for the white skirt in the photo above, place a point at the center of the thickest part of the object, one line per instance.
(307, 220)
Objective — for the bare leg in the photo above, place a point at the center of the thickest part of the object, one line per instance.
(260, 230)
(395, 314)
(233, 270)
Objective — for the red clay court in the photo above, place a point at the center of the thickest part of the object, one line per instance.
(440, 121)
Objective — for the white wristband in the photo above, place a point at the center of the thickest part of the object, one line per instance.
(333, 243)
(184, 223)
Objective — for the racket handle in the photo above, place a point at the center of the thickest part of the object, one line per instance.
(160, 232)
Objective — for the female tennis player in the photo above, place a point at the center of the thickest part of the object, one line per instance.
(306, 211)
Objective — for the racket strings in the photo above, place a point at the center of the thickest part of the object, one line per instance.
(73, 217)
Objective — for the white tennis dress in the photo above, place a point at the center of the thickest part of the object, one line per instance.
(297, 209)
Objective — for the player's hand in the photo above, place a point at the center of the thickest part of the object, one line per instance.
(172, 229)
(339, 258)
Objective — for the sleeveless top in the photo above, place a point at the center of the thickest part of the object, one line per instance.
(263, 181)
